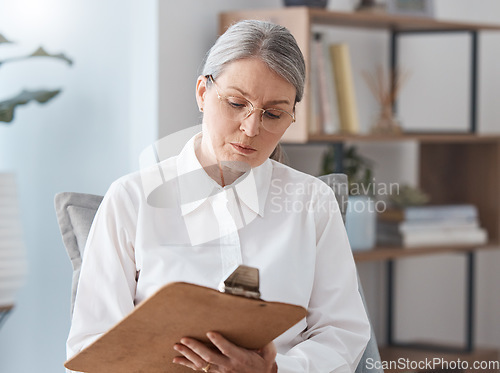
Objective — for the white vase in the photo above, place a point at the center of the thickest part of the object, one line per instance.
(12, 249)
(361, 220)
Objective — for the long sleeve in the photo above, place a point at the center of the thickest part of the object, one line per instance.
(107, 281)
(337, 325)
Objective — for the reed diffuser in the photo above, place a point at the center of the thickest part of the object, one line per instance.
(385, 89)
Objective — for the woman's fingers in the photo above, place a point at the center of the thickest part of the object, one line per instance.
(225, 347)
(198, 353)
(184, 361)
(268, 352)
(243, 360)
(229, 356)
(194, 359)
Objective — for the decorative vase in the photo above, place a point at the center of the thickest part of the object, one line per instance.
(361, 220)
(12, 250)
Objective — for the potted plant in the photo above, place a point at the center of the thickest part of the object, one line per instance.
(361, 217)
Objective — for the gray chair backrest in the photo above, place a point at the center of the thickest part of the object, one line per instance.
(75, 212)
(338, 182)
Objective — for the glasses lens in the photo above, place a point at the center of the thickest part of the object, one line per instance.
(235, 108)
(274, 120)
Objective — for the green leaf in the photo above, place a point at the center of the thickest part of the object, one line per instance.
(40, 52)
(8, 107)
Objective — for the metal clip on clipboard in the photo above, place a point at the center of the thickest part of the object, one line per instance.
(244, 281)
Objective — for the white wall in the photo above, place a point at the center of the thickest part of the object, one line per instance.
(81, 141)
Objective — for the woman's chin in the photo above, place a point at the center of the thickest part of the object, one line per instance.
(236, 164)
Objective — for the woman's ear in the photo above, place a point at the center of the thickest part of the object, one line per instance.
(201, 90)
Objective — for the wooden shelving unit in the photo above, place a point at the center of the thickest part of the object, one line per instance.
(390, 21)
(453, 167)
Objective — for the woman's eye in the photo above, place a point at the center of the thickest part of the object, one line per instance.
(273, 114)
(236, 104)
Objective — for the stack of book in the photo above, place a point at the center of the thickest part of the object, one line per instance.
(431, 226)
(333, 98)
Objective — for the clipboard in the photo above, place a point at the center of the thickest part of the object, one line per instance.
(144, 340)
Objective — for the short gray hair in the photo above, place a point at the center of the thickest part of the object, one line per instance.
(273, 44)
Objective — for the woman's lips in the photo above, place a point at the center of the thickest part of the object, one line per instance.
(244, 149)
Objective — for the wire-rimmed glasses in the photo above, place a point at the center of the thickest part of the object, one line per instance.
(238, 108)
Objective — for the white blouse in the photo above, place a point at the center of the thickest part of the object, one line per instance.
(172, 222)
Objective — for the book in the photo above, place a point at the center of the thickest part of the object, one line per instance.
(469, 236)
(434, 237)
(431, 225)
(315, 112)
(425, 225)
(431, 213)
(344, 84)
(325, 84)
(144, 340)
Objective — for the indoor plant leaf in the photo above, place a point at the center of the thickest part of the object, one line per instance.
(7, 107)
(40, 52)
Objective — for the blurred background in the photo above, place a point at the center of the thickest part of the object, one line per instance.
(132, 82)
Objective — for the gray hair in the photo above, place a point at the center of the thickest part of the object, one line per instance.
(273, 44)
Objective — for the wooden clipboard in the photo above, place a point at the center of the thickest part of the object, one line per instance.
(144, 340)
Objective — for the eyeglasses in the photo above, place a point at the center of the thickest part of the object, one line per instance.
(238, 108)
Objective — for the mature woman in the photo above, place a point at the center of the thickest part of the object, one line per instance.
(228, 204)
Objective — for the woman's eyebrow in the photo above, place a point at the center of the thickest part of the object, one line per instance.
(277, 102)
(273, 102)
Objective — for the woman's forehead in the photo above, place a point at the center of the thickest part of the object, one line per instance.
(253, 77)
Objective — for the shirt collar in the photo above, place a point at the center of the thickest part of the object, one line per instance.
(196, 186)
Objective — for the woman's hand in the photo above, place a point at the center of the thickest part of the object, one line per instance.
(229, 359)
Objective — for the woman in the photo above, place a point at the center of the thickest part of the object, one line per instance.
(230, 204)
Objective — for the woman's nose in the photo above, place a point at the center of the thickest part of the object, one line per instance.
(251, 124)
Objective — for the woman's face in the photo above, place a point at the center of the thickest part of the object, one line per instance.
(245, 140)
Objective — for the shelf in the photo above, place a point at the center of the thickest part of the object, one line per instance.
(392, 21)
(390, 253)
(385, 21)
(418, 355)
(420, 137)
